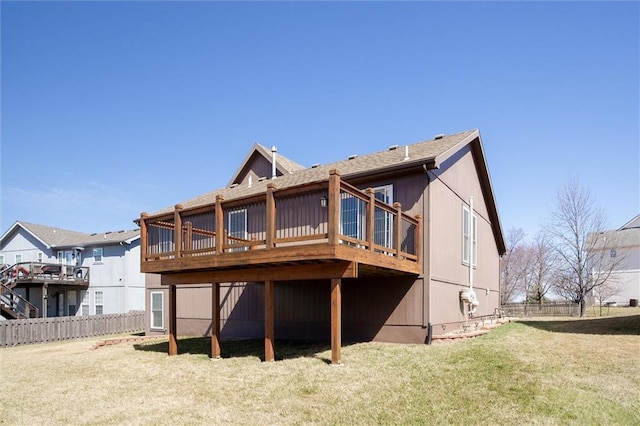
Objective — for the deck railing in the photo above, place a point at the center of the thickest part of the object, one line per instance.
(330, 211)
(44, 271)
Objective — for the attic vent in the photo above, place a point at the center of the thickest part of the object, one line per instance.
(392, 147)
(108, 232)
(351, 157)
(233, 185)
(315, 166)
(121, 231)
(262, 178)
(95, 233)
(439, 136)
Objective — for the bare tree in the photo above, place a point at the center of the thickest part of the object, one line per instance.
(606, 291)
(542, 263)
(511, 266)
(574, 226)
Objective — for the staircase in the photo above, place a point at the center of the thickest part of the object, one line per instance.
(12, 304)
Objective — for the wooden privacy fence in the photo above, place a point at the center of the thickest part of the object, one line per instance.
(563, 309)
(41, 330)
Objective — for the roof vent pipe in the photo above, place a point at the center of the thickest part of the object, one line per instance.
(406, 153)
(273, 161)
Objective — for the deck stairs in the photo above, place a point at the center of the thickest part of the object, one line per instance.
(12, 304)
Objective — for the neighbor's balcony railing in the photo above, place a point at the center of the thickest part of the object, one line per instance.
(330, 211)
(45, 271)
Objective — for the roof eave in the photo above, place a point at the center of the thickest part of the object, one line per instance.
(18, 224)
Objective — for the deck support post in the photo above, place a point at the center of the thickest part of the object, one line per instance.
(269, 321)
(215, 321)
(45, 296)
(173, 341)
(336, 320)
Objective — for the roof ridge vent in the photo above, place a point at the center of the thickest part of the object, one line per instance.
(315, 165)
(352, 156)
(392, 147)
(438, 136)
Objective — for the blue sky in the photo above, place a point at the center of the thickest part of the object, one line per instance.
(111, 109)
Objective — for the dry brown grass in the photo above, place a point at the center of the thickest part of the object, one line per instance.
(531, 372)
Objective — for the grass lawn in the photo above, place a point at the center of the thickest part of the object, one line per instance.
(557, 371)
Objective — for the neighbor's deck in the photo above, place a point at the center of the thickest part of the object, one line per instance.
(326, 229)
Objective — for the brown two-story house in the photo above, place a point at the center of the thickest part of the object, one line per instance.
(396, 246)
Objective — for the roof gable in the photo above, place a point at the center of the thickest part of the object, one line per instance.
(633, 223)
(258, 160)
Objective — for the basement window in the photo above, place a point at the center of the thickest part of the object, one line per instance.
(157, 310)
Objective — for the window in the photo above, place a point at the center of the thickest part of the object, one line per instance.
(18, 258)
(1, 259)
(97, 255)
(99, 301)
(383, 220)
(352, 216)
(157, 310)
(61, 257)
(39, 257)
(84, 302)
(71, 303)
(613, 253)
(237, 227)
(469, 245)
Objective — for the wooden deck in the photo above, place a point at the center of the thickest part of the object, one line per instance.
(322, 230)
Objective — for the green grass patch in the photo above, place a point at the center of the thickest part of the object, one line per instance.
(530, 372)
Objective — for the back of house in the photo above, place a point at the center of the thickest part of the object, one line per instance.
(413, 231)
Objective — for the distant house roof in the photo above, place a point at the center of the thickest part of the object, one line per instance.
(53, 237)
(633, 223)
(429, 153)
(283, 164)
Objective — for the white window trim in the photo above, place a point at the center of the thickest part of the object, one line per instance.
(388, 189)
(16, 261)
(40, 257)
(244, 231)
(101, 255)
(95, 301)
(472, 241)
(84, 301)
(1, 259)
(153, 326)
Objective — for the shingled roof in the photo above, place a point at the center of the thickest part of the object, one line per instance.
(60, 238)
(435, 150)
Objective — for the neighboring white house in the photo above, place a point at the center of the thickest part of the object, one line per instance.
(622, 248)
(65, 273)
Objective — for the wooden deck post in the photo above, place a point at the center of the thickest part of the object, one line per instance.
(219, 225)
(173, 341)
(177, 230)
(215, 321)
(336, 320)
(271, 216)
(371, 211)
(333, 221)
(397, 229)
(143, 236)
(269, 321)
